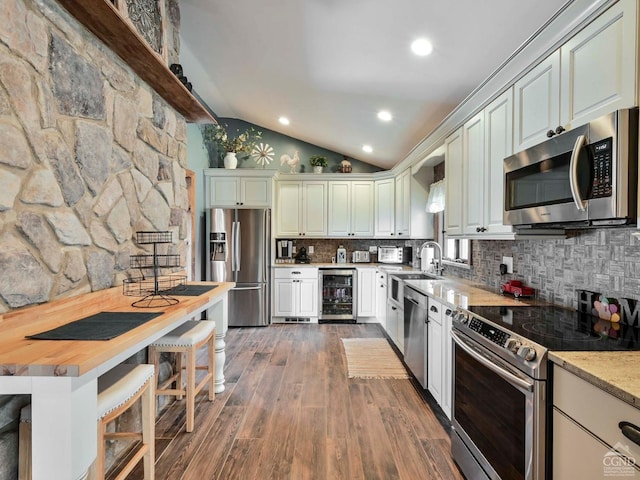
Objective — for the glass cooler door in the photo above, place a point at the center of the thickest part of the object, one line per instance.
(337, 296)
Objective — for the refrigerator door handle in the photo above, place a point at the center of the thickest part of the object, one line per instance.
(248, 288)
(233, 246)
(236, 246)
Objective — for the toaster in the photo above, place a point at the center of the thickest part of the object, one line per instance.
(360, 256)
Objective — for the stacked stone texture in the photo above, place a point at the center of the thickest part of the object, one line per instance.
(89, 155)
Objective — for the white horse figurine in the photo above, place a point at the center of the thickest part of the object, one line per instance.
(292, 162)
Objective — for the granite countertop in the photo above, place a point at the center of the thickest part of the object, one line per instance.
(457, 292)
(614, 372)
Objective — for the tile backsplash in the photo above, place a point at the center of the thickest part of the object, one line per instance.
(602, 260)
(325, 248)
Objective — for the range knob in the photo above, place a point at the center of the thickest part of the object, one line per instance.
(528, 353)
(463, 317)
(512, 345)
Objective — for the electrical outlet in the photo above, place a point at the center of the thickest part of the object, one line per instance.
(508, 261)
(373, 249)
(310, 249)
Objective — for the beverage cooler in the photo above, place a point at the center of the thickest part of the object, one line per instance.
(337, 295)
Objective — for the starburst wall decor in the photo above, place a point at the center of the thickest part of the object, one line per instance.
(262, 154)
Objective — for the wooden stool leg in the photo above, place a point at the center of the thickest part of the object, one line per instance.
(148, 400)
(154, 358)
(180, 378)
(212, 365)
(24, 451)
(191, 387)
(100, 460)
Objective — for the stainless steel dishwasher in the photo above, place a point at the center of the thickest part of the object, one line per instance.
(416, 318)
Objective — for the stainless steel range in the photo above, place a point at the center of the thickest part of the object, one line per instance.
(501, 384)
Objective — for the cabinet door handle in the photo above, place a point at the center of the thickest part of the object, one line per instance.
(393, 308)
(448, 312)
(434, 308)
(630, 431)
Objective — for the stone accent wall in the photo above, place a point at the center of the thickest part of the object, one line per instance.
(89, 155)
(602, 260)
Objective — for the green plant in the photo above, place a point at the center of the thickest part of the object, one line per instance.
(318, 161)
(217, 136)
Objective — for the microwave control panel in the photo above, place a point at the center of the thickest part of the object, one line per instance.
(601, 152)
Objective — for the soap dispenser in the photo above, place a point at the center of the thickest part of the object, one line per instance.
(341, 255)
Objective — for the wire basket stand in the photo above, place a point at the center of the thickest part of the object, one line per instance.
(154, 290)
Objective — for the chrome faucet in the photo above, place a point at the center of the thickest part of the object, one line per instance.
(436, 262)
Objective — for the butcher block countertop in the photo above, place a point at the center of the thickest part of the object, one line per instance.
(613, 372)
(462, 293)
(22, 356)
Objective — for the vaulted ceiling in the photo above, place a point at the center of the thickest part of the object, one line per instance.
(331, 65)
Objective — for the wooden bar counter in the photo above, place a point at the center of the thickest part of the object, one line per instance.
(61, 375)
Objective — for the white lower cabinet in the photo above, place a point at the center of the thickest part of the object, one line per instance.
(439, 359)
(447, 362)
(588, 442)
(381, 298)
(435, 357)
(295, 293)
(395, 322)
(366, 293)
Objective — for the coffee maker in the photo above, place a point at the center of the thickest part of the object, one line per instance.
(302, 257)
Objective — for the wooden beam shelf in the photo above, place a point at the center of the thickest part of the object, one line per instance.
(103, 19)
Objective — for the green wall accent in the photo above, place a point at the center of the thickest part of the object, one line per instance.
(283, 144)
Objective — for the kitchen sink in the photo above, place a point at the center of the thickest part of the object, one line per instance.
(416, 276)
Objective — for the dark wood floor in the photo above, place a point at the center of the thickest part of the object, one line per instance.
(290, 412)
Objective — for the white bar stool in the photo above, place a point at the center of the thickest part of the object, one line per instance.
(187, 339)
(118, 390)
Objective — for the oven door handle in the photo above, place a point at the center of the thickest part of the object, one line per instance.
(508, 376)
(573, 178)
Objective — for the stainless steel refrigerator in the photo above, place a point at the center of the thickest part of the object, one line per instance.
(238, 250)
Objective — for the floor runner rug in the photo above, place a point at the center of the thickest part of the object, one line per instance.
(372, 358)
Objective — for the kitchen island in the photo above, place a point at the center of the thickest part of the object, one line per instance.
(61, 375)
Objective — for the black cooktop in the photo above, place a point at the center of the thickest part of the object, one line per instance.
(562, 329)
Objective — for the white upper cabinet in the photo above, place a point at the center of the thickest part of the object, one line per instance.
(351, 209)
(592, 74)
(453, 180)
(403, 204)
(498, 143)
(252, 190)
(314, 208)
(384, 208)
(362, 204)
(289, 209)
(487, 138)
(473, 174)
(537, 103)
(598, 66)
(301, 209)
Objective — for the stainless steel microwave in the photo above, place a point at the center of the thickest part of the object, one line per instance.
(586, 176)
(395, 255)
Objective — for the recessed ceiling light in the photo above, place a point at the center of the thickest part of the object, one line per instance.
(367, 148)
(421, 47)
(284, 120)
(385, 115)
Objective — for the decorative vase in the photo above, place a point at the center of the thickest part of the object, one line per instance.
(317, 169)
(230, 160)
